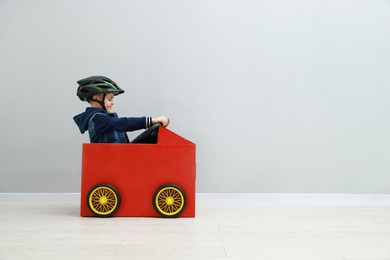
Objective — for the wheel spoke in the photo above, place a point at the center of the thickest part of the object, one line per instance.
(103, 200)
(169, 201)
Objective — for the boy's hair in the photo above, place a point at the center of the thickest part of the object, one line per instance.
(91, 86)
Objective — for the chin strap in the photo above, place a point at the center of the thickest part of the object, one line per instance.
(101, 103)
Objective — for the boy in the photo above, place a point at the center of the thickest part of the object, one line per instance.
(102, 125)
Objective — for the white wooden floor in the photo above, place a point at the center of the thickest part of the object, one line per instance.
(226, 227)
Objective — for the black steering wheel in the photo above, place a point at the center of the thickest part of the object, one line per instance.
(149, 136)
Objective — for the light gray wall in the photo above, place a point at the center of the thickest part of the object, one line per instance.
(279, 96)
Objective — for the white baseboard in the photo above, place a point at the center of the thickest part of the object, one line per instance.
(295, 198)
(224, 198)
(39, 197)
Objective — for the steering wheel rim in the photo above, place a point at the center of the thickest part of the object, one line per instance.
(145, 134)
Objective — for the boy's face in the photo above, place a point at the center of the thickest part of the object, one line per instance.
(109, 102)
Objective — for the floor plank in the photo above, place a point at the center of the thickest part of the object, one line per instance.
(226, 227)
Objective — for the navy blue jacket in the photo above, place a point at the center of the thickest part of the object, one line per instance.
(104, 127)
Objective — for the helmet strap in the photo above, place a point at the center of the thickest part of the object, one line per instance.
(101, 103)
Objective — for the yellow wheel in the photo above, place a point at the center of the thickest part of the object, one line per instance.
(169, 200)
(103, 200)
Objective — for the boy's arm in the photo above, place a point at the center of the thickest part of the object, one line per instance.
(108, 123)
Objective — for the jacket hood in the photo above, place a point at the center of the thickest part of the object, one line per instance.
(82, 119)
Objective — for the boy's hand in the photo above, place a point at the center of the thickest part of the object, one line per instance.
(162, 119)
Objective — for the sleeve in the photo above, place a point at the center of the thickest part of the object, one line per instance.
(111, 122)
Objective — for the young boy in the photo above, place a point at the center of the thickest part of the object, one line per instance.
(104, 126)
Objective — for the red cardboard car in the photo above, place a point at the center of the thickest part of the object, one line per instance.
(153, 178)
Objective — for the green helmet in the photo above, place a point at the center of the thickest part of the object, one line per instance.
(91, 86)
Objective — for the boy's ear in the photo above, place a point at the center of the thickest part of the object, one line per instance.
(98, 97)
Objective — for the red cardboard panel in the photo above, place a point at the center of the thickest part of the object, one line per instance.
(136, 171)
